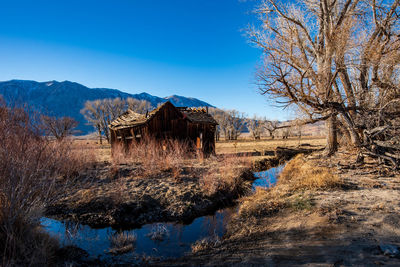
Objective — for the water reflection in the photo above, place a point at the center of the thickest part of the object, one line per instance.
(267, 178)
(176, 238)
(164, 240)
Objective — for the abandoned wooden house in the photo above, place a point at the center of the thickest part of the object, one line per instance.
(194, 125)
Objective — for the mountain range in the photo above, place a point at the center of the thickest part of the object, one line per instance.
(68, 98)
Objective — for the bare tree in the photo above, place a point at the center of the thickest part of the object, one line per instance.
(330, 58)
(222, 118)
(231, 122)
(271, 127)
(59, 127)
(286, 133)
(256, 126)
(139, 106)
(92, 112)
(110, 110)
(236, 123)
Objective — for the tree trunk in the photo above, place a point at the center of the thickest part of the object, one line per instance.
(331, 136)
(100, 137)
(107, 136)
(354, 136)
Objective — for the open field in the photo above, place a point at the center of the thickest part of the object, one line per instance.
(242, 145)
(267, 144)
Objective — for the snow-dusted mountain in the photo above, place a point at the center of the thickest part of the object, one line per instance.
(67, 98)
(181, 101)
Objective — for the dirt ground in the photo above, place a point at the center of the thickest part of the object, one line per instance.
(355, 225)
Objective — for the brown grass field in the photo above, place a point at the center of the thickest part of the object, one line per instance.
(242, 145)
(267, 144)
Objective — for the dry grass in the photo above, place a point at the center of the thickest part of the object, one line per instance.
(262, 203)
(158, 232)
(226, 174)
(300, 174)
(122, 242)
(293, 189)
(246, 145)
(206, 243)
(222, 174)
(242, 145)
(153, 156)
(30, 166)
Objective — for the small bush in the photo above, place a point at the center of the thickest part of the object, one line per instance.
(122, 242)
(158, 232)
(206, 243)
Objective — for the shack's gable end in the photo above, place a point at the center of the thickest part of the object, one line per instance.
(164, 120)
(133, 119)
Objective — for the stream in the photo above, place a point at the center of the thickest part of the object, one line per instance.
(160, 240)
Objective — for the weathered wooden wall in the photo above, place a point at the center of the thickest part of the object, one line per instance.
(167, 123)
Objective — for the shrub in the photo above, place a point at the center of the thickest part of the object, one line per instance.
(122, 242)
(158, 232)
(29, 167)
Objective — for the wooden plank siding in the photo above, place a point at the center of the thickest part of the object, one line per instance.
(167, 122)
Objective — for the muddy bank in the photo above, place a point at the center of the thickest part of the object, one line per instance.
(353, 224)
(151, 242)
(118, 197)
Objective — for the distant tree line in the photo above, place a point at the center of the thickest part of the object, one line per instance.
(232, 123)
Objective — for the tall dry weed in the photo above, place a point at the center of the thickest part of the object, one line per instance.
(226, 175)
(29, 168)
(154, 156)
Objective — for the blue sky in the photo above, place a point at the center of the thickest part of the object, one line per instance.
(186, 47)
